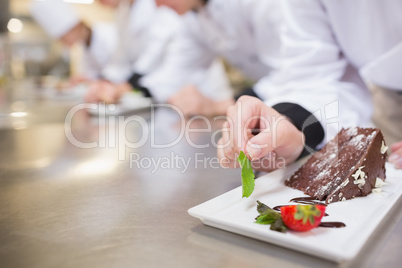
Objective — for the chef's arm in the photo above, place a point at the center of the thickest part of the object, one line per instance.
(102, 43)
(304, 121)
(160, 35)
(186, 63)
(315, 75)
(265, 21)
(135, 84)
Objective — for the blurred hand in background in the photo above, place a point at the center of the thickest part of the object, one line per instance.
(192, 102)
(396, 155)
(105, 91)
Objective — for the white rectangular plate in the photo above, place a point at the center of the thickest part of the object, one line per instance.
(361, 215)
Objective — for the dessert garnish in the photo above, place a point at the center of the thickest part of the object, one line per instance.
(278, 208)
(302, 218)
(384, 148)
(269, 216)
(247, 175)
(299, 218)
(379, 183)
(308, 200)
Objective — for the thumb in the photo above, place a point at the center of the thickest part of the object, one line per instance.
(260, 145)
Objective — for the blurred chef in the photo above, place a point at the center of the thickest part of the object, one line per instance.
(144, 35)
(246, 34)
(337, 49)
(61, 22)
(362, 40)
(243, 32)
(359, 41)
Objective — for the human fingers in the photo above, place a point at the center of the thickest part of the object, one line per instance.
(242, 117)
(396, 158)
(92, 93)
(396, 146)
(108, 92)
(268, 163)
(252, 114)
(229, 150)
(180, 102)
(279, 135)
(223, 160)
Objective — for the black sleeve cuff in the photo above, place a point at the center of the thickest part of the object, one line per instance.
(247, 92)
(134, 82)
(304, 121)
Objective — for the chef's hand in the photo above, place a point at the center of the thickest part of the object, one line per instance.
(104, 91)
(192, 102)
(77, 80)
(277, 144)
(396, 155)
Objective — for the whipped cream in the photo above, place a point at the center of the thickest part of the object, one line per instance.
(379, 183)
(360, 177)
(384, 148)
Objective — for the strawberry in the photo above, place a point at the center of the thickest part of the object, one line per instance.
(302, 218)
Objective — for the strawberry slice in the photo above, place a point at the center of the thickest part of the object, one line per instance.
(302, 218)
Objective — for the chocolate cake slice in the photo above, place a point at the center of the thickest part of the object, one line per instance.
(348, 166)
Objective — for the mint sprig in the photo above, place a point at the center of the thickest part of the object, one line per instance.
(247, 175)
(269, 216)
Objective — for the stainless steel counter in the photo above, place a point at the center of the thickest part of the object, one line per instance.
(65, 206)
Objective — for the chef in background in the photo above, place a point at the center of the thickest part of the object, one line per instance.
(61, 22)
(339, 49)
(246, 34)
(243, 32)
(145, 34)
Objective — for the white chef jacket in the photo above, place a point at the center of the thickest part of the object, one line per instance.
(244, 32)
(144, 34)
(330, 46)
(104, 40)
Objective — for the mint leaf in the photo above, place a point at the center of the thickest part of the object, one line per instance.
(261, 207)
(247, 175)
(266, 219)
(279, 226)
(269, 216)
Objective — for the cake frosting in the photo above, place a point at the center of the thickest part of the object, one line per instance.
(348, 166)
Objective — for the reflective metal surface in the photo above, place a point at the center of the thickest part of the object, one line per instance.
(109, 206)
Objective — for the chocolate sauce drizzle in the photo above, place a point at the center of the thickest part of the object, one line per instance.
(307, 200)
(313, 201)
(332, 224)
(278, 208)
